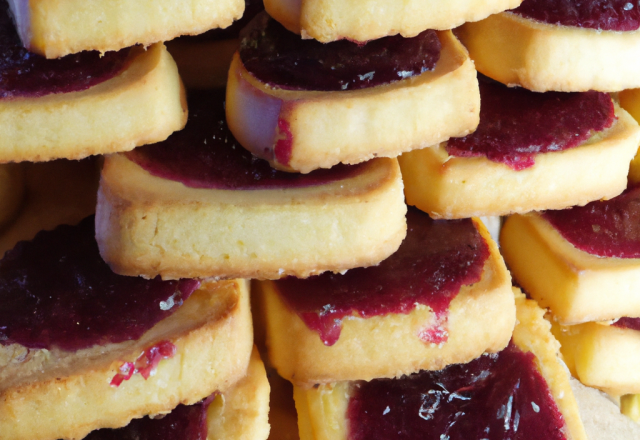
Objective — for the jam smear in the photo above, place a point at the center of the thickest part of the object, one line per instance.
(630, 323)
(25, 74)
(206, 155)
(251, 9)
(609, 228)
(606, 15)
(146, 364)
(435, 260)
(283, 59)
(516, 124)
(495, 397)
(55, 291)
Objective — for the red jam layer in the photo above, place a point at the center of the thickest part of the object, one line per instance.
(283, 59)
(206, 155)
(435, 260)
(56, 291)
(146, 364)
(495, 397)
(516, 124)
(607, 15)
(630, 323)
(251, 9)
(24, 74)
(608, 228)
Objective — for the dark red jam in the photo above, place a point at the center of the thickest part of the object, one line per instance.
(607, 15)
(433, 262)
(516, 124)
(55, 291)
(495, 397)
(251, 9)
(206, 155)
(146, 364)
(183, 423)
(630, 323)
(283, 59)
(24, 74)
(608, 228)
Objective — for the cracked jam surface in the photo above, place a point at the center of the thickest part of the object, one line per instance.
(24, 74)
(517, 124)
(283, 59)
(55, 291)
(608, 15)
(434, 261)
(495, 397)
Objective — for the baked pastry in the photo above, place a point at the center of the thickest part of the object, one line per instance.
(523, 390)
(363, 21)
(303, 105)
(55, 29)
(83, 348)
(582, 263)
(572, 46)
(537, 150)
(444, 297)
(630, 101)
(12, 186)
(199, 205)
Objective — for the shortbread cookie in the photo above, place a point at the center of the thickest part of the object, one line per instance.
(12, 188)
(84, 348)
(583, 263)
(55, 29)
(303, 105)
(630, 101)
(524, 391)
(597, 53)
(536, 150)
(199, 205)
(630, 407)
(362, 21)
(444, 297)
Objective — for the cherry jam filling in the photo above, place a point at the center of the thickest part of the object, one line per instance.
(517, 124)
(630, 323)
(206, 155)
(606, 15)
(146, 364)
(283, 59)
(55, 291)
(609, 228)
(495, 397)
(436, 259)
(24, 74)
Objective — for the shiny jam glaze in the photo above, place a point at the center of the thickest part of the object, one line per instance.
(283, 59)
(434, 261)
(608, 228)
(55, 291)
(24, 74)
(630, 323)
(251, 9)
(608, 15)
(495, 397)
(516, 124)
(206, 155)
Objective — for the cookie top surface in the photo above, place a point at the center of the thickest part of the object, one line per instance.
(517, 124)
(609, 228)
(496, 396)
(283, 59)
(432, 263)
(56, 291)
(206, 155)
(609, 15)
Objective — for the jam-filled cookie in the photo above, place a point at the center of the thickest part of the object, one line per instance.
(200, 205)
(302, 105)
(535, 150)
(570, 46)
(84, 348)
(12, 189)
(362, 21)
(58, 28)
(630, 101)
(444, 297)
(521, 392)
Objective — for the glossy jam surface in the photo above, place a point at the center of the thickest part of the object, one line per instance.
(608, 228)
(630, 323)
(55, 291)
(206, 155)
(608, 15)
(146, 364)
(516, 124)
(433, 262)
(251, 9)
(282, 59)
(495, 397)
(24, 74)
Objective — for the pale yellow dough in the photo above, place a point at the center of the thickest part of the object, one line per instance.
(357, 20)
(630, 101)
